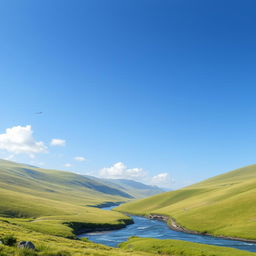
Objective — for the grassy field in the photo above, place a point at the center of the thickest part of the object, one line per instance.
(177, 248)
(223, 205)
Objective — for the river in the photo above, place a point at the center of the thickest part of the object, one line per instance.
(144, 227)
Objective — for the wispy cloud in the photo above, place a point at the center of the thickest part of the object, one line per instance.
(58, 142)
(67, 165)
(79, 158)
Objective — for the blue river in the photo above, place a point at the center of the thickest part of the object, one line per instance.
(144, 227)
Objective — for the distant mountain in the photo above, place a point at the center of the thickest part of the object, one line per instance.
(134, 188)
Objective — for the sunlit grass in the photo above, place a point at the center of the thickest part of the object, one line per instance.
(177, 248)
(49, 245)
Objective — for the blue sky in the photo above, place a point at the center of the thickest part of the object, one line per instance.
(155, 86)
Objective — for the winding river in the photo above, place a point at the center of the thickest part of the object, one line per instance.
(144, 227)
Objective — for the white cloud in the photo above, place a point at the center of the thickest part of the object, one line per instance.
(79, 158)
(161, 179)
(120, 171)
(67, 165)
(58, 142)
(20, 140)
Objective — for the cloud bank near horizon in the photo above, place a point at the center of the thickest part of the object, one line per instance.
(20, 140)
(120, 171)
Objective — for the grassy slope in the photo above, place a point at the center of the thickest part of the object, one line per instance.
(223, 205)
(174, 247)
(46, 200)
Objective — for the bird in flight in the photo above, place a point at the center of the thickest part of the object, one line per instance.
(38, 113)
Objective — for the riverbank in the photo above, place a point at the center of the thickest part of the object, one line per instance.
(172, 223)
(176, 247)
(106, 204)
(81, 228)
(155, 226)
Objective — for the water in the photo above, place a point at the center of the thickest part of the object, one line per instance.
(143, 227)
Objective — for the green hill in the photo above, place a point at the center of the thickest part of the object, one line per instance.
(223, 205)
(56, 202)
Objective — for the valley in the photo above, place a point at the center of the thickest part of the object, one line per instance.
(52, 208)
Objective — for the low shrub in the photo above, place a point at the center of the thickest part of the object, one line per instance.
(9, 240)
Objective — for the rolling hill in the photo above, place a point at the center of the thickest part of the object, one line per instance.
(56, 202)
(49, 207)
(224, 205)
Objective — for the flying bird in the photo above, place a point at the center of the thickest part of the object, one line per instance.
(38, 113)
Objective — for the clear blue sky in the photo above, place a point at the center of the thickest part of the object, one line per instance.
(166, 86)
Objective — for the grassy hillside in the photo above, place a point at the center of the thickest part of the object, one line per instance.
(223, 205)
(174, 247)
(54, 202)
(48, 245)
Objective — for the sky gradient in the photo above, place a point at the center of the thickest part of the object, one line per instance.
(155, 86)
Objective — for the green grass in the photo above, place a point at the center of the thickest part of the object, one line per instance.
(223, 205)
(49, 245)
(178, 248)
